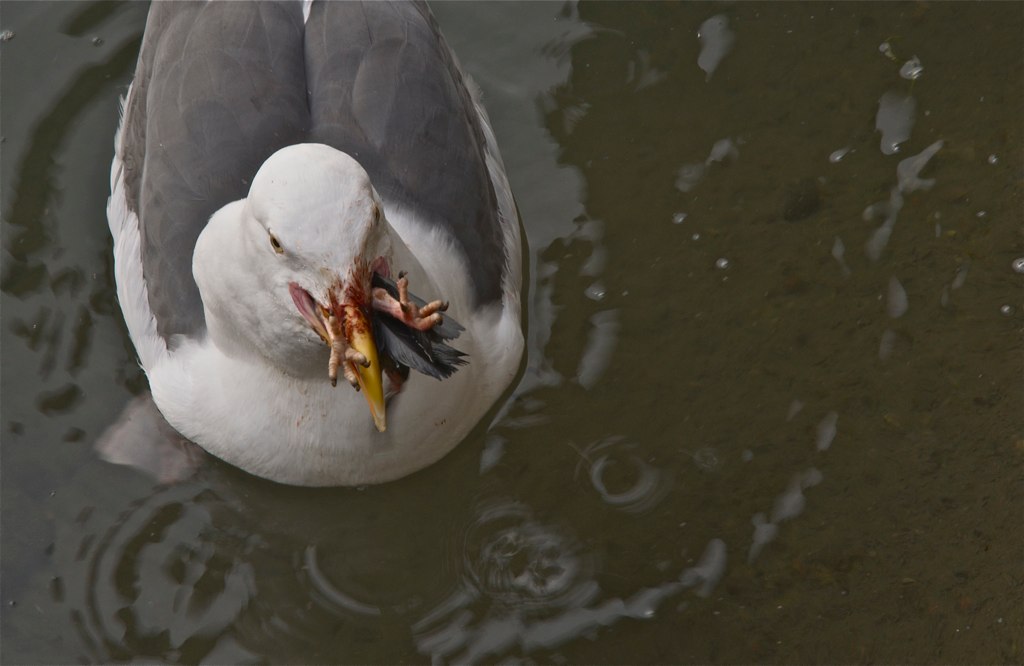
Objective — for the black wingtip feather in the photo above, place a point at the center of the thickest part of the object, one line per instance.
(420, 351)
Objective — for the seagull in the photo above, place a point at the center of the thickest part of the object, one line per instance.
(303, 192)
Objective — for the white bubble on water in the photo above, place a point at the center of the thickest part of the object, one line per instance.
(595, 291)
(911, 69)
(838, 253)
(827, 431)
(838, 155)
(961, 277)
(886, 344)
(896, 304)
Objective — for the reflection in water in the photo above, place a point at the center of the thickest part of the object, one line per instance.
(959, 279)
(788, 506)
(839, 254)
(581, 254)
(160, 582)
(597, 353)
(709, 569)
(887, 343)
(896, 303)
(664, 371)
(826, 431)
(47, 260)
(716, 40)
(908, 171)
(690, 174)
(255, 571)
(895, 120)
(907, 180)
(141, 438)
(764, 533)
(791, 503)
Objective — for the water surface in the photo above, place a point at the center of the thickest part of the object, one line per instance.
(771, 409)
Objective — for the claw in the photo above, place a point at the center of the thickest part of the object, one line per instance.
(403, 293)
(404, 309)
(429, 308)
(351, 377)
(341, 352)
(338, 350)
(357, 358)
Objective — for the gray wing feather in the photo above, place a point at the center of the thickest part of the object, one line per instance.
(385, 89)
(221, 86)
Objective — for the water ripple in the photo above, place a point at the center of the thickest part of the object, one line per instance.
(621, 476)
(511, 558)
(528, 586)
(156, 583)
(328, 595)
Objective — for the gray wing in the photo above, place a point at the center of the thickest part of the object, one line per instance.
(221, 86)
(385, 89)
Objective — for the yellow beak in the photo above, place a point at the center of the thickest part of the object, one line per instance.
(360, 338)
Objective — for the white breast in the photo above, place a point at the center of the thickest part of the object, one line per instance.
(306, 432)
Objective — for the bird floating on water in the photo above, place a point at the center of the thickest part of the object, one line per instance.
(285, 177)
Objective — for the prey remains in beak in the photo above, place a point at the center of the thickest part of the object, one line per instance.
(347, 331)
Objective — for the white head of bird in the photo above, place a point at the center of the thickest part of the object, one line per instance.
(274, 267)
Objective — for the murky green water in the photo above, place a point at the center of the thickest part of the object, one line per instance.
(773, 404)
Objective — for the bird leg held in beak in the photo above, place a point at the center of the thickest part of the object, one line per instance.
(348, 334)
(405, 310)
(341, 352)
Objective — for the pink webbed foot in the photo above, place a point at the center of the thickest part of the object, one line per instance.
(405, 310)
(341, 352)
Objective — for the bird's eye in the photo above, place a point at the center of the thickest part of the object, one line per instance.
(276, 244)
